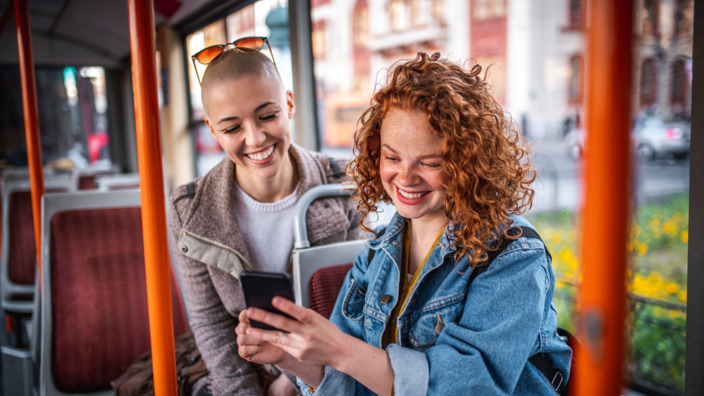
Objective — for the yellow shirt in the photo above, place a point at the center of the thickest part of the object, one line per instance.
(406, 285)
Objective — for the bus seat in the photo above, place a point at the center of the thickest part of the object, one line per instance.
(86, 178)
(335, 258)
(94, 316)
(19, 254)
(325, 285)
(120, 181)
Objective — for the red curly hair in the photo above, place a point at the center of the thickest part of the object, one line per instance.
(487, 168)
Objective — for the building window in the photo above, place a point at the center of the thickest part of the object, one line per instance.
(574, 94)
(683, 18)
(488, 9)
(438, 10)
(421, 13)
(397, 10)
(360, 22)
(318, 39)
(651, 18)
(576, 15)
(680, 87)
(648, 83)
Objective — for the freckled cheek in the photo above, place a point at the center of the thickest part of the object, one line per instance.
(437, 182)
(386, 174)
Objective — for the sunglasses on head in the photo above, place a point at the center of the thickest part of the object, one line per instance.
(248, 44)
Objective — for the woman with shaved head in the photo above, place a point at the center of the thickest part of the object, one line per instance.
(239, 216)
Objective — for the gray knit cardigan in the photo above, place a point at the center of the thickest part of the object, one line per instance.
(210, 254)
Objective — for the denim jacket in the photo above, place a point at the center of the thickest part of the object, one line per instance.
(453, 340)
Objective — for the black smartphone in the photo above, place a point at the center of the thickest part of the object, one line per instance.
(260, 288)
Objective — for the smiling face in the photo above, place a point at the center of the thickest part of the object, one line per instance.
(249, 117)
(411, 166)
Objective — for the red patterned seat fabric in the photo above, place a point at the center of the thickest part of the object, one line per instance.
(325, 285)
(99, 297)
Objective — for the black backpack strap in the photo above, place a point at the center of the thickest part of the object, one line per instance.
(557, 380)
(540, 361)
(191, 189)
(505, 242)
(335, 168)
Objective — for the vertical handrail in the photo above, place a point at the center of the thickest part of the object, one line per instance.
(31, 120)
(156, 254)
(605, 215)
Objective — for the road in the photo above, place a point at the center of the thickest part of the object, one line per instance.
(559, 185)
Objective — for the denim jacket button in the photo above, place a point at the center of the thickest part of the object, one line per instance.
(385, 298)
(394, 243)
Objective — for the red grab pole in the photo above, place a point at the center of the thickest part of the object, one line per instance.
(31, 120)
(602, 299)
(156, 253)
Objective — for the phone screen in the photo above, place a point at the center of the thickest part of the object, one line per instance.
(260, 288)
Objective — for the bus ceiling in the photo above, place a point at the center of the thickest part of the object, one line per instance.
(96, 33)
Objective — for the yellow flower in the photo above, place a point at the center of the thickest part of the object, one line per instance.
(684, 236)
(672, 288)
(670, 228)
(683, 296)
(642, 249)
(566, 256)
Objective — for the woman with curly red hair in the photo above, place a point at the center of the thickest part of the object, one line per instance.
(436, 144)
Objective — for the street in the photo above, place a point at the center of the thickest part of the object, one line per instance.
(559, 187)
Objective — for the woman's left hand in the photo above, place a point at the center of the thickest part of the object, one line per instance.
(309, 337)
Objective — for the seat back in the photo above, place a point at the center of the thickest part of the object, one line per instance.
(94, 300)
(318, 271)
(121, 181)
(86, 178)
(19, 253)
(325, 285)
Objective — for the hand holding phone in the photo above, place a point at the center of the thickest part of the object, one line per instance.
(260, 288)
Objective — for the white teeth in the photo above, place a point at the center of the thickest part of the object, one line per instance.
(410, 195)
(262, 155)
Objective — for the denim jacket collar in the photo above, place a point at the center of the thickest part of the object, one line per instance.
(393, 232)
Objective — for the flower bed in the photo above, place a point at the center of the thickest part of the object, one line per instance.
(657, 287)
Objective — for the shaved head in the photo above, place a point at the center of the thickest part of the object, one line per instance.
(233, 64)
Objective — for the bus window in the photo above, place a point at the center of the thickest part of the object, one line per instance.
(534, 57)
(267, 18)
(73, 120)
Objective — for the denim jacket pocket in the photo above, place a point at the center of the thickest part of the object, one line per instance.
(352, 306)
(425, 330)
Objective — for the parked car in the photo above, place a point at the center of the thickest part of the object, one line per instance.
(655, 138)
(651, 136)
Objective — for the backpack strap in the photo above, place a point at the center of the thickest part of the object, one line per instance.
(540, 361)
(335, 168)
(191, 189)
